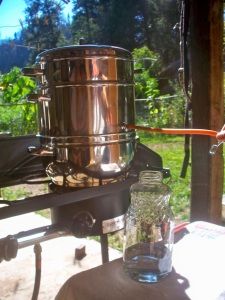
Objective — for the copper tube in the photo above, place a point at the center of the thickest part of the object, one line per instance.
(175, 131)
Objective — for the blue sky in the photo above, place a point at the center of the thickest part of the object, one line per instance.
(11, 11)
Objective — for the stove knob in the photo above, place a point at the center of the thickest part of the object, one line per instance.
(82, 224)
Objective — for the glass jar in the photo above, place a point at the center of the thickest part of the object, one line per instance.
(148, 233)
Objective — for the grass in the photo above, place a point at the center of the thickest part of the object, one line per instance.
(22, 191)
(172, 153)
(14, 193)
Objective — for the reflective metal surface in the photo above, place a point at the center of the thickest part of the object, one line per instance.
(86, 94)
(87, 110)
(102, 158)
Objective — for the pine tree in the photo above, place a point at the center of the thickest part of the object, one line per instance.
(129, 24)
(86, 21)
(43, 19)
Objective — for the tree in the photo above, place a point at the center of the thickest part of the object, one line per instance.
(106, 22)
(43, 19)
(13, 53)
(65, 38)
(158, 19)
(85, 21)
(129, 24)
(119, 24)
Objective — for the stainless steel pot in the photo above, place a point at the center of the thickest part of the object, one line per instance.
(86, 94)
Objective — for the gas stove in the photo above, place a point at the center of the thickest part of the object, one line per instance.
(85, 97)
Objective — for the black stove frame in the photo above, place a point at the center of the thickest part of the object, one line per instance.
(102, 202)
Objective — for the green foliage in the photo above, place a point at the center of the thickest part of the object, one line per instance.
(147, 59)
(146, 84)
(158, 20)
(147, 63)
(158, 110)
(166, 111)
(15, 87)
(16, 116)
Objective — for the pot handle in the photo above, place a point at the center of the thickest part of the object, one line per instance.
(32, 72)
(34, 98)
(40, 151)
(42, 93)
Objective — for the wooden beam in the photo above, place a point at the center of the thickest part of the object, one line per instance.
(206, 42)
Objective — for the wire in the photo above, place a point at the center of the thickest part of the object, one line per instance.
(9, 26)
(19, 165)
(21, 46)
(37, 251)
(161, 98)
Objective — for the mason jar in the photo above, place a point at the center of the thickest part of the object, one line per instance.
(148, 233)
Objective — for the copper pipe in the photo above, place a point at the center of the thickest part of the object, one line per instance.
(175, 131)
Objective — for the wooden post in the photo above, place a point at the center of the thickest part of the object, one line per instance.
(206, 38)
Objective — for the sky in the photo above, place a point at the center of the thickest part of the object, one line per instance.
(11, 11)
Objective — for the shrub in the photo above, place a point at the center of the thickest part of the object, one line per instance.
(152, 107)
(17, 116)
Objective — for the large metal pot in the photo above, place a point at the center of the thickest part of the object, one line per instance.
(86, 94)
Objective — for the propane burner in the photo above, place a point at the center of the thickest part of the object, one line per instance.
(80, 180)
(97, 215)
(85, 96)
(104, 213)
(79, 211)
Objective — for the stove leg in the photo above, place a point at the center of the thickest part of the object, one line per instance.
(104, 248)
